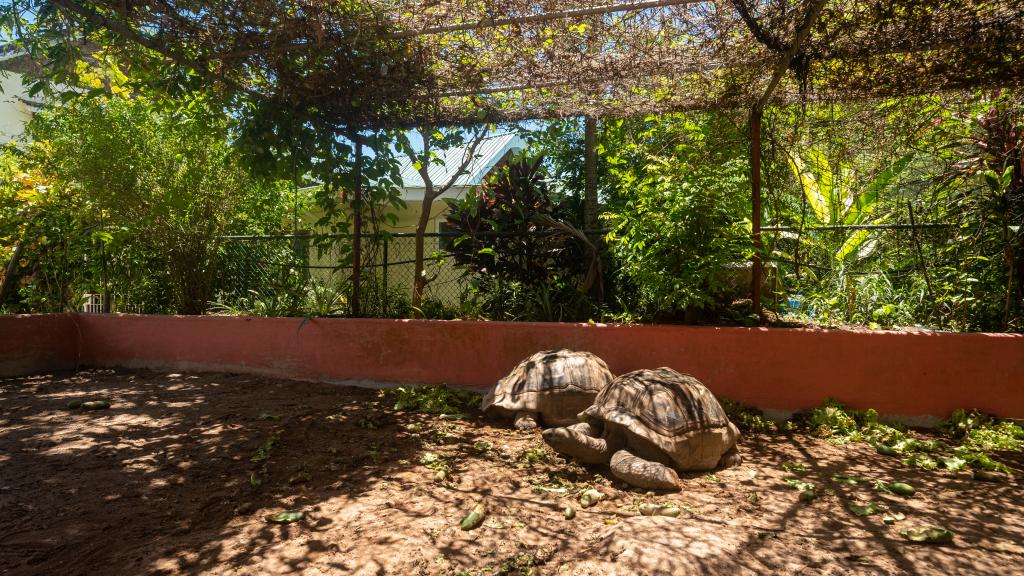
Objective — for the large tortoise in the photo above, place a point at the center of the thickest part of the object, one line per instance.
(551, 386)
(646, 425)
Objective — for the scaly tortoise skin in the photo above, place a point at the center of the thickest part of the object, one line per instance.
(549, 386)
(649, 423)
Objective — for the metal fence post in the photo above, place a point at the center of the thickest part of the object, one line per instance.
(384, 277)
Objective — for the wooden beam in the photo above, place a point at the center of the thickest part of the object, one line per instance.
(544, 17)
(756, 114)
(590, 173)
(357, 241)
(755, 187)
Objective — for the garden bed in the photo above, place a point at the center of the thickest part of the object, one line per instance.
(180, 473)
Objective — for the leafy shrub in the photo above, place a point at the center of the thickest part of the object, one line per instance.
(681, 225)
(134, 199)
(518, 241)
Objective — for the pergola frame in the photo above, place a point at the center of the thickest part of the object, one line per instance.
(402, 63)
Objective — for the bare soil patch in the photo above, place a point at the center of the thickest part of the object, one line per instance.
(180, 473)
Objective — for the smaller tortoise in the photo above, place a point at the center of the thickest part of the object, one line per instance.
(552, 386)
(646, 425)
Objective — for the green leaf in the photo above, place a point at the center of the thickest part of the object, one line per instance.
(866, 201)
(953, 463)
(892, 518)
(851, 244)
(816, 181)
(808, 490)
(794, 467)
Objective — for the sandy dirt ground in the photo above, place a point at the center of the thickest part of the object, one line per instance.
(180, 473)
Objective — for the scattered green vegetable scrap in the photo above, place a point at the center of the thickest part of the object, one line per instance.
(808, 490)
(864, 508)
(747, 418)
(88, 404)
(475, 517)
(659, 510)
(893, 517)
(437, 399)
(286, 517)
(977, 435)
(794, 467)
(590, 497)
(927, 535)
(898, 488)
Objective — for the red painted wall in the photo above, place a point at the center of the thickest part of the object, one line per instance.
(40, 343)
(907, 374)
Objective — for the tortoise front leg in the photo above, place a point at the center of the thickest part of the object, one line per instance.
(642, 473)
(526, 421)
(578, 441)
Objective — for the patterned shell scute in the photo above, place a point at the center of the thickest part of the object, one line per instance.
(547, 374)
(662, 401)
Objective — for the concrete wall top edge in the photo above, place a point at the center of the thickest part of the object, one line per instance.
(561, 325)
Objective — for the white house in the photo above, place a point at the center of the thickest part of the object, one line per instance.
(489, 155)
(16, 108)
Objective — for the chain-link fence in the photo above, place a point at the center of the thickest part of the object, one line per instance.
(315, 273)
(874, 272)
(862, 271)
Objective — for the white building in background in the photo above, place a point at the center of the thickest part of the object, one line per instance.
(493, 152)
(490, 155)
(16, 107)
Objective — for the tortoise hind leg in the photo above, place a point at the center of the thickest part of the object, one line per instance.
(642, 473)
(730, 458)
(526, 421)
(578, 441)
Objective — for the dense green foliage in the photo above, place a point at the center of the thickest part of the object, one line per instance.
(900, 212)
(127, 188)
(683, 182)
(952, 161)
(121, 195)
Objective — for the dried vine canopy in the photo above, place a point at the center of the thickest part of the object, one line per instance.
(400, 62)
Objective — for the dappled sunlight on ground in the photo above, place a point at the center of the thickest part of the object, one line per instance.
(178, 475)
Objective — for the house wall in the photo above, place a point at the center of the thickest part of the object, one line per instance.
(13, 112)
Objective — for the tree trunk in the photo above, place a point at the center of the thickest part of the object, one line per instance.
(10, 274)
(431, 193)
(420, 280)
(419, 283)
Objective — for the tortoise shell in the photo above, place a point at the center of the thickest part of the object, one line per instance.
(557, 384)
(672, 411)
